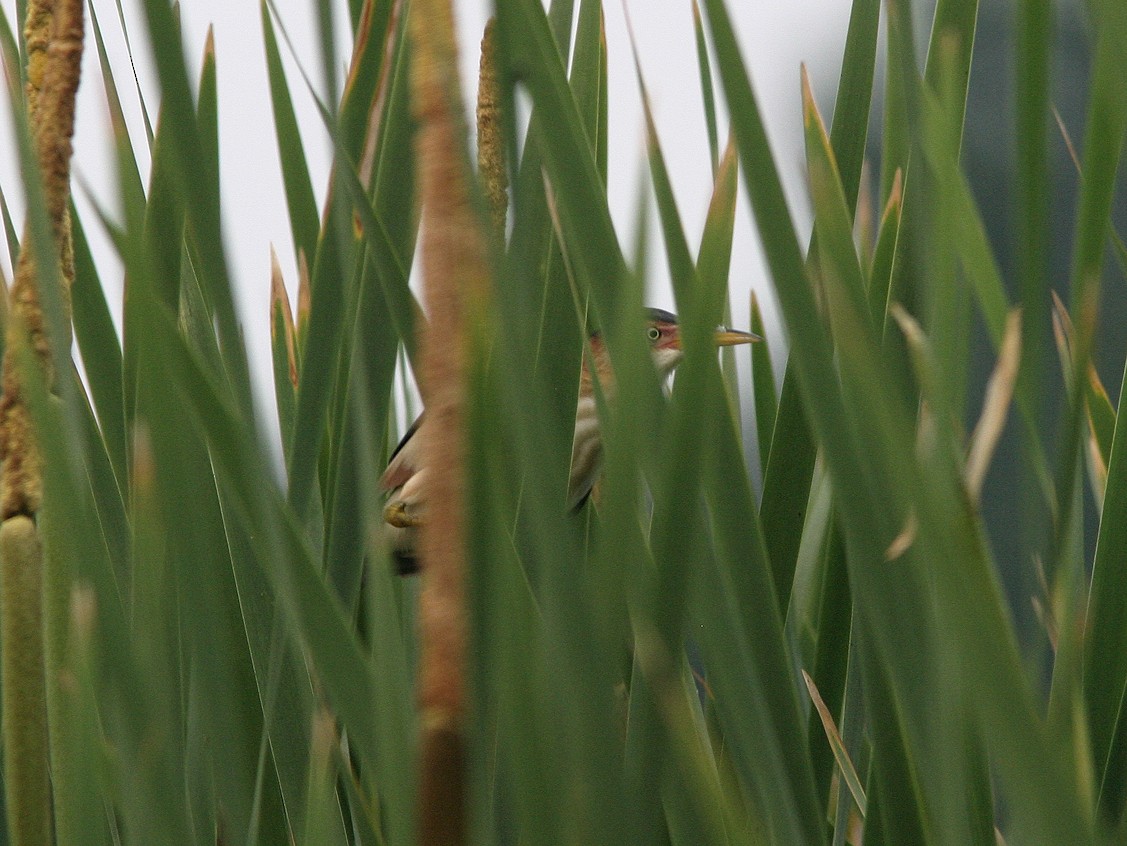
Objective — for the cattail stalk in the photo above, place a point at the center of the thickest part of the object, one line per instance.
(26, 788)
(54, 36)
(455, 280)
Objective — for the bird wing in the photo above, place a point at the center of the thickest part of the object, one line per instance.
(404, 461)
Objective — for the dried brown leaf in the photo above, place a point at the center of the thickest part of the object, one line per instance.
(995, 406)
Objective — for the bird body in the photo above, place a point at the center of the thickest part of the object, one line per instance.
(586, 451)
(405, 479)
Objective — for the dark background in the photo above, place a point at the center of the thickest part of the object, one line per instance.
(990, 163)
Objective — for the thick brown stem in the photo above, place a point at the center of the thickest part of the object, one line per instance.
(53, 33)
(455, 281)
(26, 787)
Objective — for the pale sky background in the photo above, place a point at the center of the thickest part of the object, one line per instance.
(775, 36)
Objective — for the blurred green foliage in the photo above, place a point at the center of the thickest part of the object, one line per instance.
(241, 663)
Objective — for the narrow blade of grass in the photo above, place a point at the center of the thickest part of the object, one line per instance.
(845, 765)
(763, 385)
(300, 201)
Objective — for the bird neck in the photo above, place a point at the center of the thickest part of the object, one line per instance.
(596, 367)
(597, 361)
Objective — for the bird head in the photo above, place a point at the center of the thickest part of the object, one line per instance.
(663, 334)
(664, 337)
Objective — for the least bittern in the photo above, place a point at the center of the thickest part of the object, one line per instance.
(405, 476)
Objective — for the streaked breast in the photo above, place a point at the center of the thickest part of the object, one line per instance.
(586, 451)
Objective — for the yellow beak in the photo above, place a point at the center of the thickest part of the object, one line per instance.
(731, 337)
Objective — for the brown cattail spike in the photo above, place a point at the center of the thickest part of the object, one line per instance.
(490, 138)
(54, 38)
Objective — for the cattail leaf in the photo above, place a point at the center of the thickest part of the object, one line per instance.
(763, 385)
(714, 259)
(846, 305)
(677, 529)
(71, 530)
(220, 695)
(895, 127)
(545, 305)
(845, 765)
(1106, 127)
(848, 309)
(886, 418)
(854, 95)
(946, 303)
(786, 479)
(394, 166)
(300, 202)
(101, 353)
(81, 818)
(360, 426)
(390, 266)
(240, 664)
(715, 254)
(588, 71)
(333, 283)
(10, 236)
(283, 341)
(880, 276)
(342, 670)
(999, 390)
(304, 300)
(1032, 204)
(1105, 670)
(108, 497)
(164, 219)
(322, 813)
(136, 78)
(1101, 424)
(708, 98)
(924, 364)
(525, 40)
(832, 619)
(376, 50)
(981, 270)
(832, 218)
(207, 114)
(11, 49)
(282, 680)
(129, 175)
(513, 679)
(199, 195)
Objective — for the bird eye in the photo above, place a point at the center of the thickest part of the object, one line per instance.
(653, 333)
